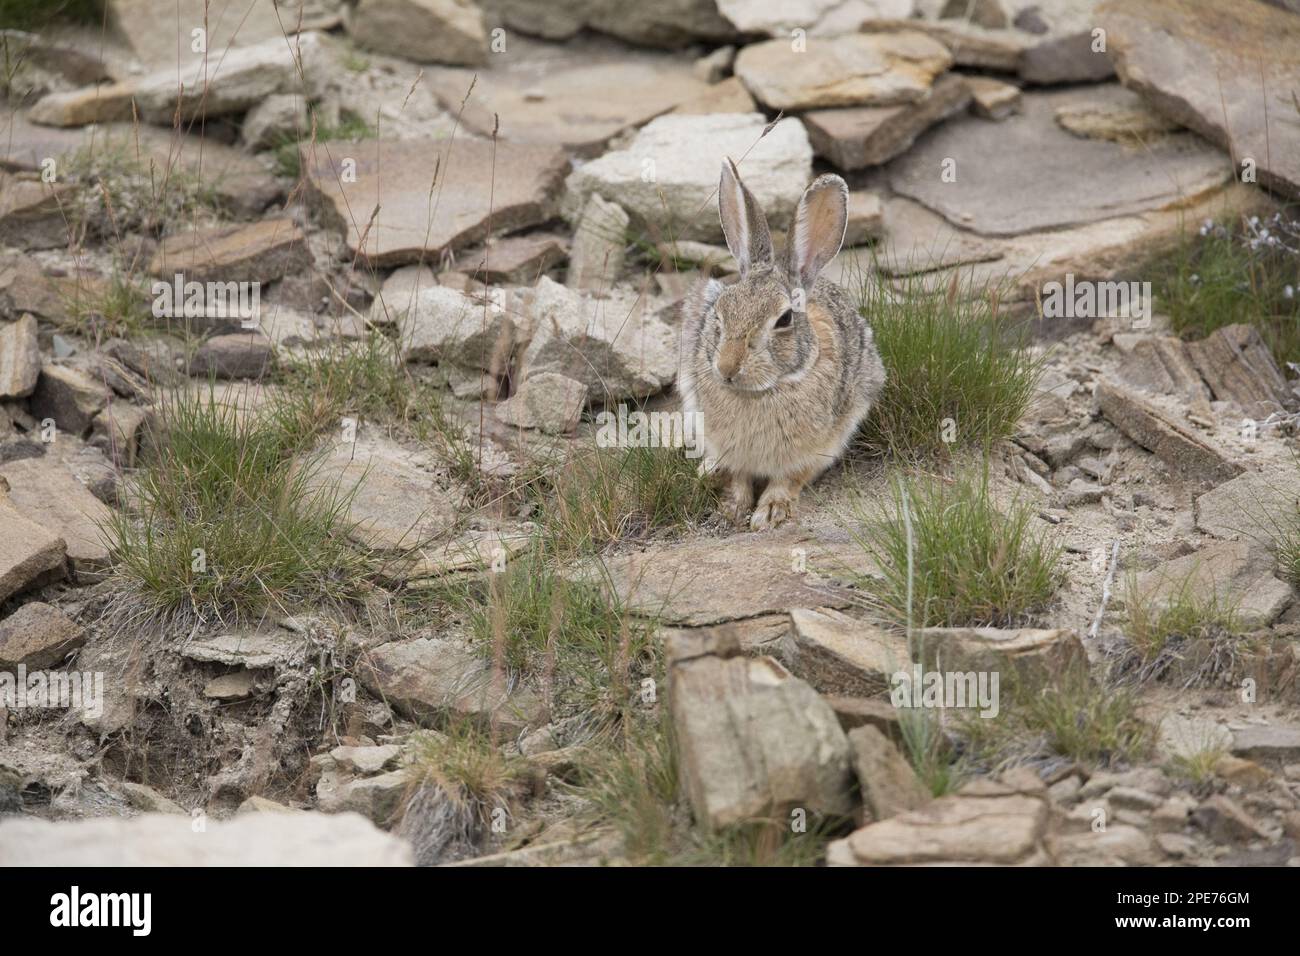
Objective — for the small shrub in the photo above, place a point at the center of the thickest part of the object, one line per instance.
(959, 374)
(970, 563)
(221, 524)
(572, 636)
(598, 496)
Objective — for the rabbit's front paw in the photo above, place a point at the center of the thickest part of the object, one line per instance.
(772, 512)
(737, 500)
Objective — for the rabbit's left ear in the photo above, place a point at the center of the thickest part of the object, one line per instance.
(817, 230)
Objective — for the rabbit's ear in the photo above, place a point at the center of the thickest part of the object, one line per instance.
(817, 230)
(743, 222)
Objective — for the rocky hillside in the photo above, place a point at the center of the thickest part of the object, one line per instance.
(347, 510)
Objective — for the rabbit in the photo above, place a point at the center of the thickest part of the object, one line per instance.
(778, 369)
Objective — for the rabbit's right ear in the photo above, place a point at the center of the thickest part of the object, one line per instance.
(743, 222)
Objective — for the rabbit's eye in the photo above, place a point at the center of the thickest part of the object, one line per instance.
(784, 321)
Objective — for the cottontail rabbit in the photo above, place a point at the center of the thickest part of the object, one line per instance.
(779, 367)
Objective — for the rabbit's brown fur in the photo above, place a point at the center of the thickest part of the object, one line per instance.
(779, 396)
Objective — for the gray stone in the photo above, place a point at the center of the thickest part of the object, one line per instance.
(1253, 505)
(856, 137)
(48, 493)
(38, 636)
(254, 650)
(840, 655)
(1184, 452)
(694, 583)
(377, 798)
(1238, 366)
(366, 760)
(426, 31)
(482, 185)
(598, 246)
(612, 344)
(547, 401)
(1239, 95)
(553, 103)
(117, 431)
(20, 358)
(275, 120)
(253, 252)
(669, 23)
(866, 218)
(235, 355)
(1236, 576)
(393, 501)
(1223, 821)
(1276, 742)
(1037, 655)
(755, 742)
(237, 685)
(687, 151)
(514, 260)
(886, 780)
(432, 680)
(861, 69)
(68, 396)
(993, 823)
(167, 839)
(992, 99)
(33, 213)
(777, 18)
(247, 75)
(1061, 180)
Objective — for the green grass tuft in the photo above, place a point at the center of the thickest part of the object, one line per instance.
(971, 563)
(219, 526)
(959, 374)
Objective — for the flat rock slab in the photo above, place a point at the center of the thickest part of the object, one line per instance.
(38, 636)
(481, 188)
(239, 23)
(1058, 178)
(696, 583)
(610, 345)
(1237, 576)
(1229, 72)
(240, 78)
(667, 177)
(1253, 505)
(431, 680)
(1183, 451)
(915, 241)
(1036, 655)
(985, 822)
(396, 503)
(46, 492)
(857, 137)
(856, 69)
(1280, 742)
(255, 651)
(258, 252)
(169, 839)
(841, 655)
(238, 181)
(20, 358)
(578, 106)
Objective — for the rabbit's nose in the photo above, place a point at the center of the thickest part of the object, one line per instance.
(730, 358)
